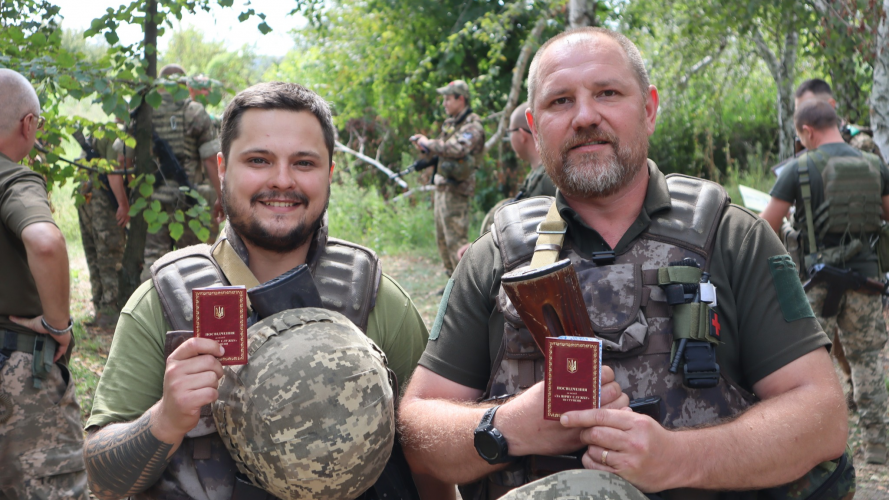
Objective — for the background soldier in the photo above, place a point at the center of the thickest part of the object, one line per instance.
(186, 126)
(40, 436)
(459, 149)
(103, 218)
(863, 178)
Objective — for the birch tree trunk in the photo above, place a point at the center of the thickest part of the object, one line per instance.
(782, 66)
(578, 14)
(879, 107)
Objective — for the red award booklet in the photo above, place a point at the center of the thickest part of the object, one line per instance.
(572, 376)
(220, 313)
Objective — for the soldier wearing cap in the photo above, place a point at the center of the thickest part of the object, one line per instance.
(459, 148)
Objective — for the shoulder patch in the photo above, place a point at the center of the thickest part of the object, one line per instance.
(467, 136)
(442, 309)
(791, 296)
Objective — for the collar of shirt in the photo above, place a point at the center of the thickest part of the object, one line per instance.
(587, 240)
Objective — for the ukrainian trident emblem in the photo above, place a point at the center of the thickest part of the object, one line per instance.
(572, 365)
(218, 312)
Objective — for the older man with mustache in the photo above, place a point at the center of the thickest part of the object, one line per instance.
(755, 403)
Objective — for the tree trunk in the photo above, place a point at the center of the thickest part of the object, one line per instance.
(783, 71)
(879, 100)
(134, 254)
(581, 13)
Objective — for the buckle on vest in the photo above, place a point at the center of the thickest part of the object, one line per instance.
(549, 229)
(700, 371)
(603, 258)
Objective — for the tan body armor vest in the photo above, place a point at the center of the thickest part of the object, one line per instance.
(347, 276)
(628, 311)
(169, 123)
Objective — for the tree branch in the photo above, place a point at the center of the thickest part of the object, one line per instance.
(518, 76)
(762, 48)
(367, 159)
(703, 63)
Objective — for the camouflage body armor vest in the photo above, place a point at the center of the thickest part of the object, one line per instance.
(347, 276)
(169, 121)
(851, 210)
(629, 313)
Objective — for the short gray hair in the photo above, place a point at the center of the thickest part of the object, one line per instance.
(634, 57)
(17, 99)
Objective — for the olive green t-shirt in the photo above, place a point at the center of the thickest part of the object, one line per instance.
(787, 188)
(133, 378)
(756, 338)
(537, 183)
(23, 202)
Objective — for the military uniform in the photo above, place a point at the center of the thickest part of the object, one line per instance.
(103, 240)
(40, 437)
(862, 330)
(459, 148)
(764, 321)
(187, 127)
(537, 183)
(350, 281)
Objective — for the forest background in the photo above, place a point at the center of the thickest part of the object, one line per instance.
(725, 69)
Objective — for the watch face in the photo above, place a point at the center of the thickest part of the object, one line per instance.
(486, 445)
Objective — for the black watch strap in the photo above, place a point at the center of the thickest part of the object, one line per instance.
(488, 417)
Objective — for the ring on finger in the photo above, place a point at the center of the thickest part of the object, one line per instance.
(605, 457)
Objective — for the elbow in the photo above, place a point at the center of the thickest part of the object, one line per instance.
(45, 243)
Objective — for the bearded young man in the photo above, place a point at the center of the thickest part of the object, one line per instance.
(147, 437)
(767, 407)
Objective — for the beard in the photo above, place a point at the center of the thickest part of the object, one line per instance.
(590, 175)
(250, 229)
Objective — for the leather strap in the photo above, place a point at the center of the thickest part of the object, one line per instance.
(550, 237)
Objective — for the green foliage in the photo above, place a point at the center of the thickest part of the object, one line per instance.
(362, 215)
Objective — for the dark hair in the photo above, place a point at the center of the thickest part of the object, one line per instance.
(815, 86)
(634, 58)
(817, 114)
(276, 95)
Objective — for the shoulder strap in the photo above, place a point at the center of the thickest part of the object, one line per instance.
(515, 229)
(176, 274)
(806, 195)
(550, 238)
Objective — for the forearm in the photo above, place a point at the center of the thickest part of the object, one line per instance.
(438, 440)
(125, 459)
(774, 443)
(117, 187)
(48, 262)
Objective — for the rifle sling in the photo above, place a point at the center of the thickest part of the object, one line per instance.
(550, 238)
(806, 192)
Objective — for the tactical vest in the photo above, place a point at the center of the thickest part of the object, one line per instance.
(347, 276)
(629, 313)
(169, 123)
(852, 205)
(457, 174)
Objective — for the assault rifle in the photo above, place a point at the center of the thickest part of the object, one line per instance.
(838, 281)
(417, 166)
(92, 154)
(170, 168)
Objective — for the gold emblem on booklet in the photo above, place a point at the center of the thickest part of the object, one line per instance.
(572, 365)
(219, 312)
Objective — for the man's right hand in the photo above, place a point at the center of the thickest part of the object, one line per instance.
(190, 382)
(528, 433)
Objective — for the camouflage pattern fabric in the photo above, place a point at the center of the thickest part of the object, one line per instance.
(41, 440)
(578, 485)
(312, 413)
(459, 149)
(864, 142)
(103, 244)
(862, 331)
(451, 226)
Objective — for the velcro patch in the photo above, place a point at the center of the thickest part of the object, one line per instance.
(791, 296)
(442, 309)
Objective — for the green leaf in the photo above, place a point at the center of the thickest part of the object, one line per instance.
(135, 101)
(130, 142)
(138, 205)
(156, 206)
(163, 218)
(264, 28)
(109, 103)
(150, 178)
(176, 230)
(204, 234)
(179, 216)
(111, 37)
(150, 216)
(154, 99)
(195, 226)
(214, 96)
(146, 190)
(154, 228)
(181, 93)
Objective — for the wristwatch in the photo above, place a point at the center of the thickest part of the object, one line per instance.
(489, 442)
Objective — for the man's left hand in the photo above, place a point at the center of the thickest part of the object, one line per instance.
(421, 142)
(123, 215)
(639, 449)
(36, 325)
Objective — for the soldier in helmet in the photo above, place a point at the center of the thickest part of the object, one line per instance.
(459, 148)
(186, 125)
(147, 437)
(755, 408)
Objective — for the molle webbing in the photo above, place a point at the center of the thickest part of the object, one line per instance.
(169, 123)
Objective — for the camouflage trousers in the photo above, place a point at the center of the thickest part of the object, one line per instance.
(103, 243)
(577, 485)
(41, 438)
(862, 331)
(160, 243)
(451, 225)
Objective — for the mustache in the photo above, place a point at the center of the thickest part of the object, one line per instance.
(280, 195)
(590, 135)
